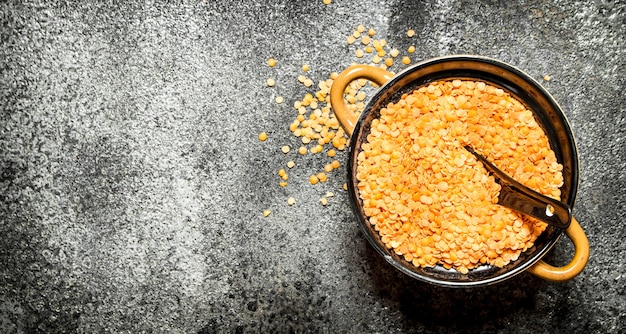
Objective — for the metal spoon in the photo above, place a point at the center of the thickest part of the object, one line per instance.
(518, 197)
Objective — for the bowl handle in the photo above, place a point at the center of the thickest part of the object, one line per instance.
(570, 270)
(347, 118)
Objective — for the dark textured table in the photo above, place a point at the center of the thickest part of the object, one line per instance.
(133, 183)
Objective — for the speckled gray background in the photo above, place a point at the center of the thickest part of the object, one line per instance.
(132, 181)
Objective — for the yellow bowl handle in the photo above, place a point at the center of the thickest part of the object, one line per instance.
(569, 271)
(346, 118)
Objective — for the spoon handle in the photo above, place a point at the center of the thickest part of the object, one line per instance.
(518, 197)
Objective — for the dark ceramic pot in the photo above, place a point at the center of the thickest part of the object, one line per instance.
(548, 114)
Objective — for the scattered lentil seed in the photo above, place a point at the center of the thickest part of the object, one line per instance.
(411, 49)
(291, 201)
(547, 78)
(285, 149)
(262, 136)
(279, 99)
(315, 122)
(313, 179)
(410, 33)
(324, 201)
(376, 45)
(271, 62)
(327, 2)
(406, 60)
(266, 213)
(270, 82)
(322, 177)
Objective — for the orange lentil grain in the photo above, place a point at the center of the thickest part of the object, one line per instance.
(322, 177)
(444, 211)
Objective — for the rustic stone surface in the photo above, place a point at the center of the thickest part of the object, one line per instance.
(133, 183)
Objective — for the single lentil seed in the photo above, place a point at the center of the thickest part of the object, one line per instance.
(322, 177)
(262, 136)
